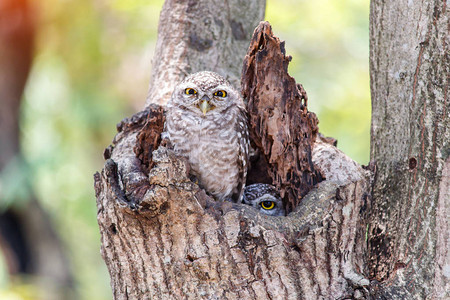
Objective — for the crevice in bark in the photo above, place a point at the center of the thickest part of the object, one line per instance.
(149, 137)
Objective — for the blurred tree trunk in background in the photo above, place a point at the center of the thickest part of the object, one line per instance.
(164, 238)
(27, 239)
(409, 224)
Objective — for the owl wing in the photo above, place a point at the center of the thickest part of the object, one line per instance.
(243, 143)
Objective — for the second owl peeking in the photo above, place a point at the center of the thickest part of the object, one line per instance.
(206, 122)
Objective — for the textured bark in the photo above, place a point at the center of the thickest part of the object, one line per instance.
(201, 35)
(27, 238)
(281, 127)
(174, 242)
(409, 225)
(149, 138)
(164, 238)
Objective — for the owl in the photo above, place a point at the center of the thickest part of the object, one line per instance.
(265, 198)
(206, 122)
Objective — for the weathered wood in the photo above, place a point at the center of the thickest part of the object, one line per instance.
(409, 225)
(177, 243)
(149, 137)
(164, 238)
(281, 127)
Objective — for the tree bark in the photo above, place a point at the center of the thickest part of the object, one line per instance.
(348, 237)
(280, 125)
(409, 225)
(164, 238)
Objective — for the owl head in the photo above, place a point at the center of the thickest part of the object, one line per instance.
(265, 198)
(205, 94)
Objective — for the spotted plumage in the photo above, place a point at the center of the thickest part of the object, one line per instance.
(265, 198)
(206, 122)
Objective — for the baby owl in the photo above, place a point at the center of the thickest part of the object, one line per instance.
(206, 122)
(265, 198)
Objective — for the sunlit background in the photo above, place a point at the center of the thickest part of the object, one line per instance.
(91, 69)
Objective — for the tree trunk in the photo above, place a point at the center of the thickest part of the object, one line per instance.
(164, 238)
(409, 224)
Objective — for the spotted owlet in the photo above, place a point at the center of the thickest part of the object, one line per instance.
(265, 198)
(206, 122)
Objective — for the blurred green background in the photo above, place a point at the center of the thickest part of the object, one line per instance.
(91, 69)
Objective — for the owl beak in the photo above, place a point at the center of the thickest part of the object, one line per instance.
(204, 105)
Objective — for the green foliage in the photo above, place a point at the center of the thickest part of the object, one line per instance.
(92, 67)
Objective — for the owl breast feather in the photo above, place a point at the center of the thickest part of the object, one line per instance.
(211, 147)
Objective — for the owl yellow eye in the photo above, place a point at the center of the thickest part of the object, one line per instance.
(221, 94)
(190, 91)
(268, 205)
